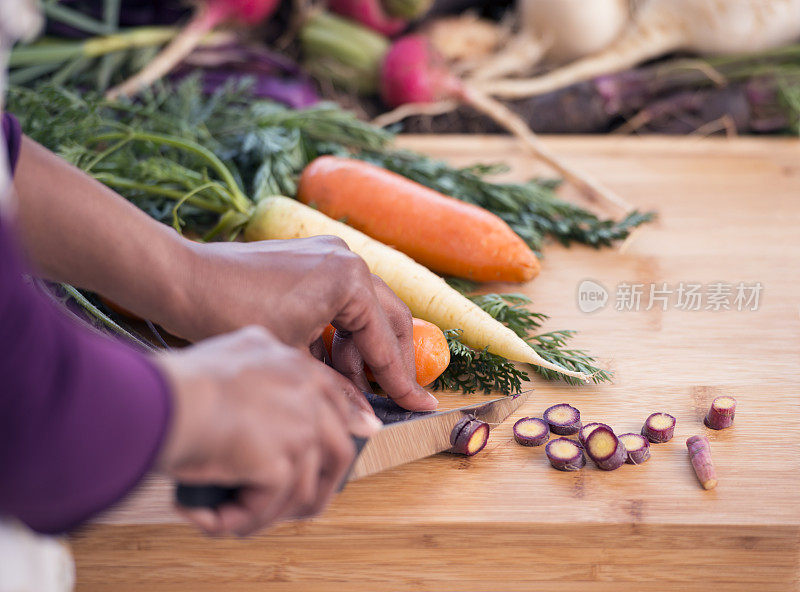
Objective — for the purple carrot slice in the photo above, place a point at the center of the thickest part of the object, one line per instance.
(565, 454)
(605, 449)
(469, 436)
(588, 429)
(700, 455)
(720, 415)
(659, 427)
(563, 419)
(531, 431)
(637, 448)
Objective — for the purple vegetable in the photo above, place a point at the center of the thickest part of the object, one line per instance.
(659, 427)
(565, 454)
(563, 419)
(637, 447)
(721, 413)
(531, 431)
(605, 449)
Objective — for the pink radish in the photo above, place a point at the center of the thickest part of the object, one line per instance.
(659, 27)
(369, 13)
(414, 78)
(207, 16)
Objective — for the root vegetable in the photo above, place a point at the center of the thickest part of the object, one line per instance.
(469, 437)
(369, 13)
(431, 352)
(720, 415)
(663, 26)
(637, 447)
(565, 454)
(426, 294)
(446, 235)
(531, 431)
(605, 449)
(659, 427)
(413, 76)
(700, 455)
(588, 429)
(573, 28)
(209, 15)
(563, 419)
(390, 412)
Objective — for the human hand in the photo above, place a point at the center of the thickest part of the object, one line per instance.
(295, 288)
(252, 412)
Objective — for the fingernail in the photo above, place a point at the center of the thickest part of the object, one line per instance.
(373, 422)
(433, 401)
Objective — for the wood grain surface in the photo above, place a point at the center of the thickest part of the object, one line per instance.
(504, 520)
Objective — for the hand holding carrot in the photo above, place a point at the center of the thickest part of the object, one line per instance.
(295, 288)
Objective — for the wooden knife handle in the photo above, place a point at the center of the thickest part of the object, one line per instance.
(213, 496)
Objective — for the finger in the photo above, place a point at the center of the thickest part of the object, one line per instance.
(317, 349)
(349, 404)
(306, 489)
(363, 316)
(205, 518)
(347, 360)
(400, 319)
(338, 449)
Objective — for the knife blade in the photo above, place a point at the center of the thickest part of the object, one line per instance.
(405, 437)
(424, 435)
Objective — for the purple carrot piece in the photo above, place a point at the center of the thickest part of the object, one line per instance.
(605, 449)
(565, 454)
(531, 431)
(700, 455)
(720, 415)
(659, 427)
(563, 419)
(469, 436)
(637, 448)
(588, 429)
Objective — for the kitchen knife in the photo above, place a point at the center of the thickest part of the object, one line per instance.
(405, 437)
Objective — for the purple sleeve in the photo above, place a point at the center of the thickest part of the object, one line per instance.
(82, 417)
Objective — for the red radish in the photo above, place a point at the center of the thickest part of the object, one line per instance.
(414, 77)
(207, 16)
(369, 13)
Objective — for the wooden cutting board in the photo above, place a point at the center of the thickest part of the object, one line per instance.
(504, 520)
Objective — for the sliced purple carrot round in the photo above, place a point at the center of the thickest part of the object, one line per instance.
(605, 449)
(563, 419)
(659, 427)
(637, 448)
(720, 415)
(531, 431)
(469, 436)
(588, 429)
(565, 454)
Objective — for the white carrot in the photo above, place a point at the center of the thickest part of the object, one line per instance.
(426, 294)
(662, 26)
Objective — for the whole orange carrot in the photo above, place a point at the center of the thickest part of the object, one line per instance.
(442, 233)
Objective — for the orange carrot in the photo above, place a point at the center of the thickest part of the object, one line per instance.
(431, 353)
(442, 233)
